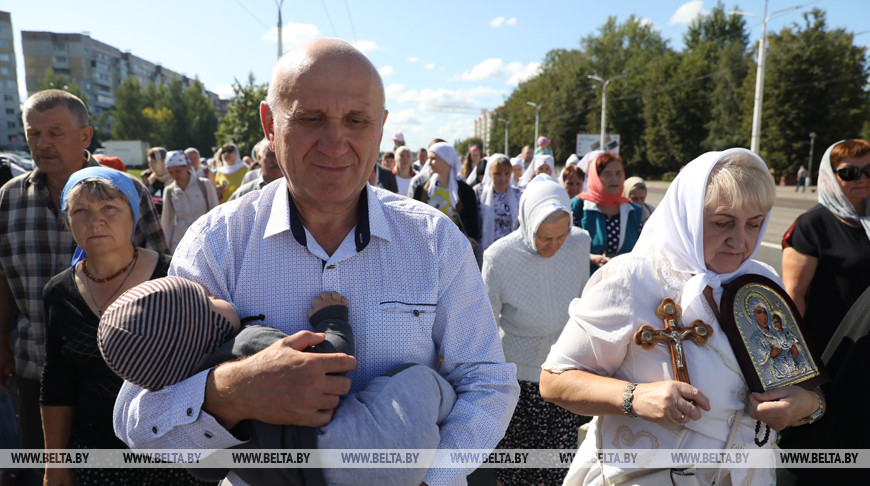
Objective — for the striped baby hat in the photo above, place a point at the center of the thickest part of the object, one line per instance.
(157, 332)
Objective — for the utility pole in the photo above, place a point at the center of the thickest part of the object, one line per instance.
(279, 3)
(810, 165)
(537, 119)
(604, 84)
(759, 73)
(506, 123)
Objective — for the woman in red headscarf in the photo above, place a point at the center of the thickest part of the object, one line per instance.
(613, 221)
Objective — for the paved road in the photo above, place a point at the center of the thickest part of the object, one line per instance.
(789, 205)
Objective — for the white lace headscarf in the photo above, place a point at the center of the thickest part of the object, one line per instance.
(676, 229)
(238, 164)
(487, 212)
(537, 162)
(448, 153)
(543, 196)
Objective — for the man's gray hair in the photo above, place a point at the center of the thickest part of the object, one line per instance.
(191, 149)
(261, 147)
(51, 98)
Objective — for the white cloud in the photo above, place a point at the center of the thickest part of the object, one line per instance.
(386, 71)
(646, 22)
(688, 12)
(459, 127)
(529, 71)
(225, 92)
(442, 99)
(404, 117)
(413, 59)
(394, 90)
(367, 46)
(293, 34)
(496, 68)
(499, 21)
(430, 66)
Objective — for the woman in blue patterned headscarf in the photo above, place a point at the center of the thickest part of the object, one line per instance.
(101, 207)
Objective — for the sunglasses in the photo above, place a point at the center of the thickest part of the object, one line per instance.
(227, 150)
(852, 173)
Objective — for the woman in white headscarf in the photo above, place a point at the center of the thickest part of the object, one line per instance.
(516, 170)
(155, 177)
(497, 202)
(531, 277)
(634, 188)
(186, 199)
(541, 164)
(230, 172)
(444, 189)
(703, 234)
(826, 252)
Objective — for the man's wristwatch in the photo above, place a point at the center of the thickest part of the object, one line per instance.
(818, 413)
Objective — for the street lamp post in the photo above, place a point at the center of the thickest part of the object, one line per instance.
(279, 3)
(604, 84)
(506, 124)
(537, 118)
(759, 73)
(810, 165)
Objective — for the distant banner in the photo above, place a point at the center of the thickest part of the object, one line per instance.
(587, 142)
(432, 458)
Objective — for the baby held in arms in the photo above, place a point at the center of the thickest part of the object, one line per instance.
(165, 330)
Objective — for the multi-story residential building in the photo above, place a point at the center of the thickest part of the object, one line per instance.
(11, 132)
(97, 68)
(483, 127)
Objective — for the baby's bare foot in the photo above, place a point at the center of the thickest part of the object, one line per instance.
(326, 299)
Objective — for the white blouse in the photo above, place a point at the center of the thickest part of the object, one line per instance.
(620, 298)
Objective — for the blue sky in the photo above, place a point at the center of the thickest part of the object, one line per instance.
(441, 62)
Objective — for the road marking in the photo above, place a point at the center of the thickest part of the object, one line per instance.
(775, 246)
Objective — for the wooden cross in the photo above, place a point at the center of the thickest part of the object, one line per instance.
(673, 335)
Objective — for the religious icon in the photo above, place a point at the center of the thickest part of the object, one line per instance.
(765, 331)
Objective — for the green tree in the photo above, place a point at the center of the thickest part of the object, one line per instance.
(130, 123)
(557, 89)
(718, 27)
(627, 50)
(201, 118)
(691, 107)
(53, 80)
(241, 124)
(815, 81)
(161, 122)
(723, 126)
(462, 146)
(171, 97)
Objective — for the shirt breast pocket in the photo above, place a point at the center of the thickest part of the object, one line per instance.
(412, 320)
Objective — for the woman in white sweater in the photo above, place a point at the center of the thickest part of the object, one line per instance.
(531, 276)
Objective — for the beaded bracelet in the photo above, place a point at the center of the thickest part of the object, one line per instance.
(627, 397)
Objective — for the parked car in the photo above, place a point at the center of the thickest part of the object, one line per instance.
(25, 163)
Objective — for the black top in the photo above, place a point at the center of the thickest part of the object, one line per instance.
(75, 374)
(843, 271)
(847, 358)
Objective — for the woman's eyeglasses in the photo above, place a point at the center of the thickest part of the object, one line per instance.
(227, 150)
(852, 173)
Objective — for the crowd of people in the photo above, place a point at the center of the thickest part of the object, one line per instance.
(454, 301)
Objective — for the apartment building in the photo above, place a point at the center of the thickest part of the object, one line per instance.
(11, 131)
(97, 68)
